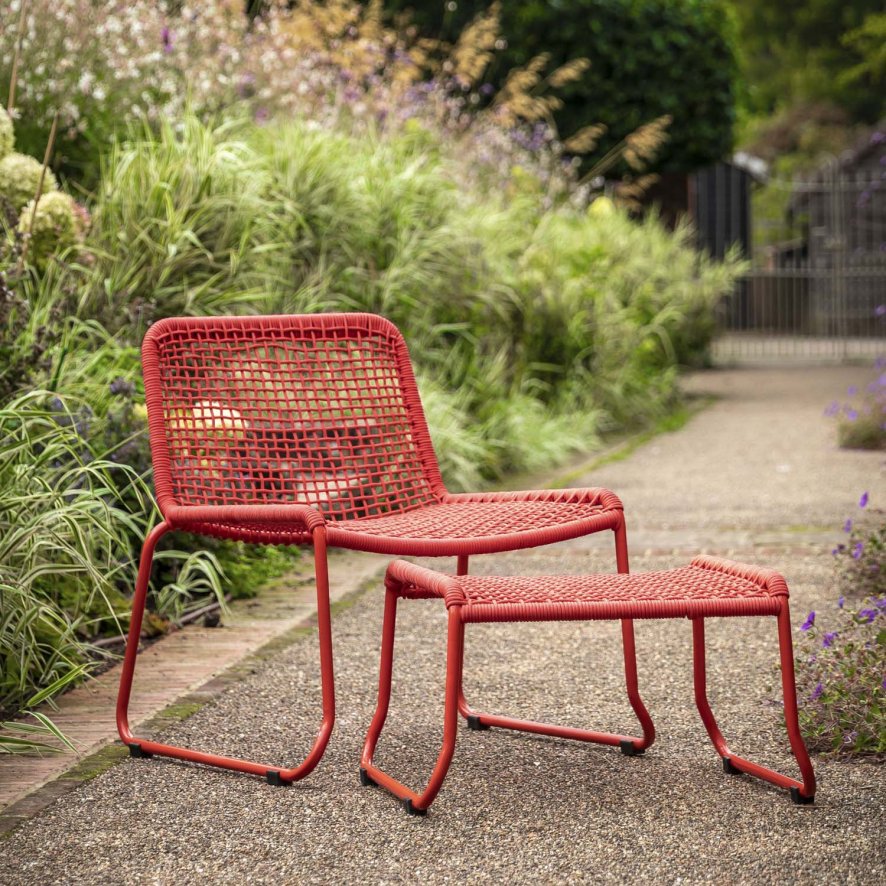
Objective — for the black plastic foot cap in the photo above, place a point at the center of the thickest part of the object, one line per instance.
(475, 724)
(799, 799)
(366, 778)
(729, 767)
(629, 749)
(273, 777)
(136, 750)
(407, 805)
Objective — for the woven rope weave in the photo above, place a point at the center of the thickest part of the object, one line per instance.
(709, 586)
(322, 411)
(269, 410)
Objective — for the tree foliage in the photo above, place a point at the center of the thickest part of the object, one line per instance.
(803, 50)
(649, 58)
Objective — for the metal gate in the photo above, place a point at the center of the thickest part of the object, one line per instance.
(817, 285)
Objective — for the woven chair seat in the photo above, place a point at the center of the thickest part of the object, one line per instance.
(484, 526)
(477, 527)
(707, 587)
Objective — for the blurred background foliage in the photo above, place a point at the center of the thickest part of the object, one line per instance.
(648, 58)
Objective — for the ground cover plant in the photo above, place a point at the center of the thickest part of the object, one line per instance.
(352, 177)
(841, 685)
(861, 419)
(839, 661)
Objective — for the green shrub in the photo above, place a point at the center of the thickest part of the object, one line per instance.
(549, 310)
(19, 177)
(52, 227)
(177, 227)
(62, 533)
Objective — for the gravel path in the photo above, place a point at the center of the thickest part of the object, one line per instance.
(756, 476)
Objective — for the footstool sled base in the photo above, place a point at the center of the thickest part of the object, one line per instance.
(708, 587)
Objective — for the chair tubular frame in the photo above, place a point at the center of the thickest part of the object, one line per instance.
(401, 575)
(274, 774)
(177, 352)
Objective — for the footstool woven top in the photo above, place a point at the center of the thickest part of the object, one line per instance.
(709, 586)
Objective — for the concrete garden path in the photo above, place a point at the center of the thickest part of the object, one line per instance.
(758, 477)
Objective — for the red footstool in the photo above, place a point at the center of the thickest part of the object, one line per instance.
(707, 587)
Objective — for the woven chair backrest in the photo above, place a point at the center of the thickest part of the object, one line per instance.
(317, 409)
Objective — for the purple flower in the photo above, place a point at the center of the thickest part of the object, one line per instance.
(832, 409)
(863, 501)
(857, 550)
(852, 390)
(810, 620)
(867, 614)
(883, 684)
(850, 737)
(828, 639)
(166, 38)
(841, 601)
(816, 692)
(487, 89)
(121, 386)
(847, 526)
(851, 414)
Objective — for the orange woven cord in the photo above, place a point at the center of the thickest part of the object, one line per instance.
(767, 578)
(409, 580)
(481, 527)
(317, 409)
(690, 591)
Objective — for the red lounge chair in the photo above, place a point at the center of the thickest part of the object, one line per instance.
(309, 430)
(707, 587)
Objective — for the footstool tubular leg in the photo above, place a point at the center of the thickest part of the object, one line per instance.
(801, 792)
(472, 716)
(140, 747)
(631, 747)
(384, 674)
(701, 694)
(806, 794)
(416, 804)
(635, 746)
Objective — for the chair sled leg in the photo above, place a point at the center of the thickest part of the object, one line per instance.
(802, 792)
(146, 748)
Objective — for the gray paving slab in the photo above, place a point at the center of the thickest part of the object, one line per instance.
(758, 476)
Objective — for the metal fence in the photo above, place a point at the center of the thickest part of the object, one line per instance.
(817, 285)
